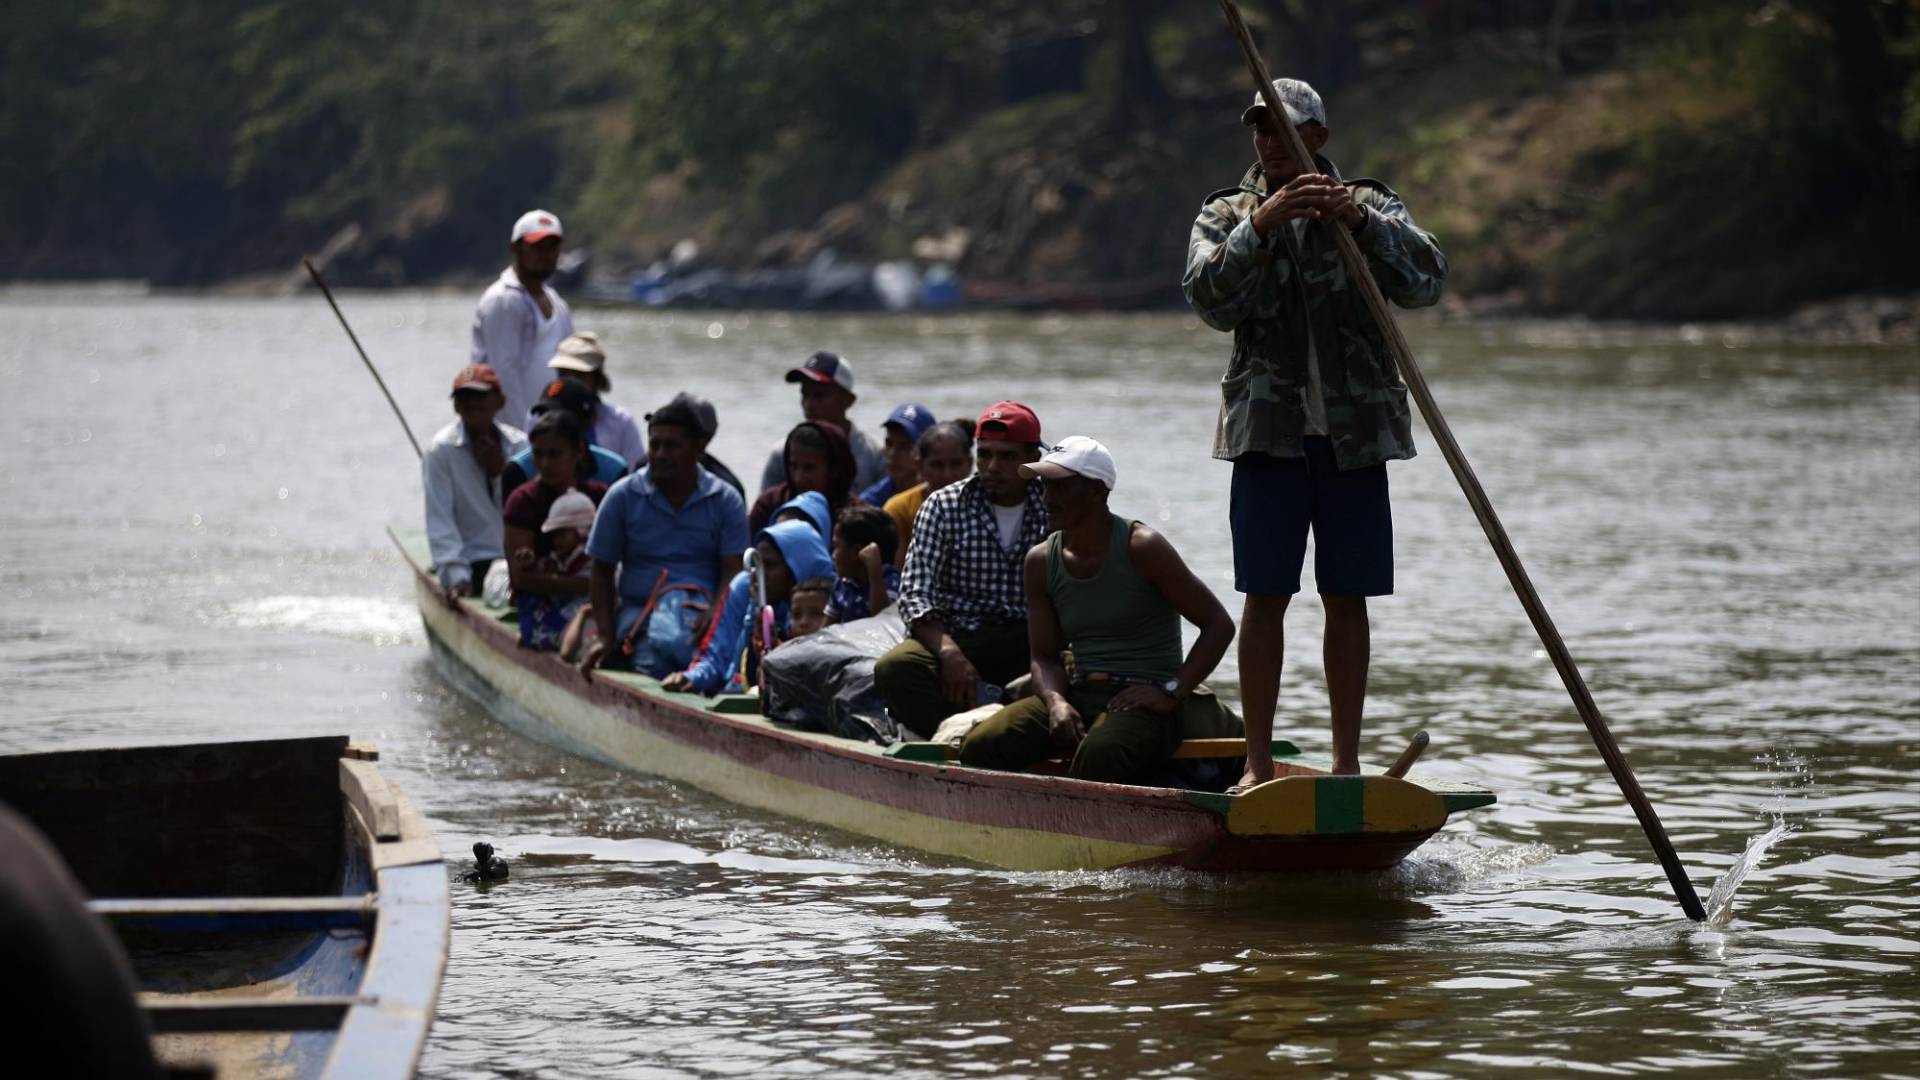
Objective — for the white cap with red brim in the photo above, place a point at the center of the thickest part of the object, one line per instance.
(535, 226)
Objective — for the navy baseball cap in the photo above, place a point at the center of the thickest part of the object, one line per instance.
(569, 395)
(912, 419)
(824, 367)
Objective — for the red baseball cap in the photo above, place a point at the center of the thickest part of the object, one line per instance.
(476, 377)
(1008, 421)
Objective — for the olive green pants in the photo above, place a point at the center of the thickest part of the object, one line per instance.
(1130, 746)
(908, 676)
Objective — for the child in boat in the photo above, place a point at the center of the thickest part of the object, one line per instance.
(808, 610)
(545, 617)
(788, 552)
(868, 581)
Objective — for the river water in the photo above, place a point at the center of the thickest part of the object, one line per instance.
(1725, 527)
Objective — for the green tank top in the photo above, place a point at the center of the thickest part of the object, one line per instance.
(1115, 622)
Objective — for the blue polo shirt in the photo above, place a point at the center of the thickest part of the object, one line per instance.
(639, 529)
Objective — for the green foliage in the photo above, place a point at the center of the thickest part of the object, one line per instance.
(1754, 127)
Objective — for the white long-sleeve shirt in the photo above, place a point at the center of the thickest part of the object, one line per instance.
(463, 503)
(512, 337)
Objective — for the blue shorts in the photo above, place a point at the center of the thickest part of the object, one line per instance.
(1276, 500)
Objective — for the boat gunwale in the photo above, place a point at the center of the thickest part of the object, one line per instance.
(1165, 825)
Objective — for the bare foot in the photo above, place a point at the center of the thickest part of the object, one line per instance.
(1253, 777)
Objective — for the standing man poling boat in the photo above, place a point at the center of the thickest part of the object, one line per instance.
(1313, 407)
(521, 322)
(1113, 591)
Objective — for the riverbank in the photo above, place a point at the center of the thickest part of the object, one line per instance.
(1722, 163)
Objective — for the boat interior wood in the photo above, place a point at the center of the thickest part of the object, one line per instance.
(219, 914)
(98, 808)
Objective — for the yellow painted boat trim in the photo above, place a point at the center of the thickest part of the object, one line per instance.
(1335, 806)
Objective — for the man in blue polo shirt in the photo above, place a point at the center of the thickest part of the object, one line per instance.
(673, 532)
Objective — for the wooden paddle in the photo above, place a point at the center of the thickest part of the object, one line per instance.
(314, 272)
(1357, 271)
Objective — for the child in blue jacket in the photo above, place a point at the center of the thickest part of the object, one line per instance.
(789, 551)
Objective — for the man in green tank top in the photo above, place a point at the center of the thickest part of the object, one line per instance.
(1113, 591)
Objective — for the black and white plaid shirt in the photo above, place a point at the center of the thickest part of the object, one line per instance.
(956, 569)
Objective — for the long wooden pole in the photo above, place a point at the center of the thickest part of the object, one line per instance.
(1477, 498)
(314, 272)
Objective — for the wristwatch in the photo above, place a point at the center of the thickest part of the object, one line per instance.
(1172, 687)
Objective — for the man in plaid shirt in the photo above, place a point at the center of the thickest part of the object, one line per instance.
(962, 595)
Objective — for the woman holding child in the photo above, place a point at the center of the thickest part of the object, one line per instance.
(543, 536)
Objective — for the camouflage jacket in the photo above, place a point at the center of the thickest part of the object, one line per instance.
(1269, 292)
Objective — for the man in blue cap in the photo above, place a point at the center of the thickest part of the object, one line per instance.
(904, 426)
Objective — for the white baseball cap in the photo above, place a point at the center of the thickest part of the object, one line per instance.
(535, 226)
(570, 511)
(580, 352)
(1076, 455)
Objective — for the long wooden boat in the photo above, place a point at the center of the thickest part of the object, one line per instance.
(909, 794)
(283, 906)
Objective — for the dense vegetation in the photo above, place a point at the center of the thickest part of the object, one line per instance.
(1607, 156)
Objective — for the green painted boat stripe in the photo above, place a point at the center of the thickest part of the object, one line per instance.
(1207, 800)
(1338, 804)
(1456, 801)
(918, 751)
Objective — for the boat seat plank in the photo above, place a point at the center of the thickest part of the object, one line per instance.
(177, 1016)
(240, 913)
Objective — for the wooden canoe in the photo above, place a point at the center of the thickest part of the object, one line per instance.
(283, 906)
(908, 794)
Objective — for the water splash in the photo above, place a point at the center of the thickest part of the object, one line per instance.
(1720, 900)
(378, 619)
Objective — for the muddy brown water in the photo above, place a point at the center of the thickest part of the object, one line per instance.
(1726, 528)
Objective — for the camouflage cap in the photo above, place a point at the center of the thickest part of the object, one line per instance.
(1301, 101)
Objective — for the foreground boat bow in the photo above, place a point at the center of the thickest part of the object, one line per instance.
(284, 907)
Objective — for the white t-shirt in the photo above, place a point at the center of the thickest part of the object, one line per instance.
(511, 335)
(1008, 520)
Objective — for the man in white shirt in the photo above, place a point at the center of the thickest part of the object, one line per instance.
(461, 475)
(826, 393)
(520, 322)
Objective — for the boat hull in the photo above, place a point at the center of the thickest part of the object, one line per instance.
(1013, 820)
